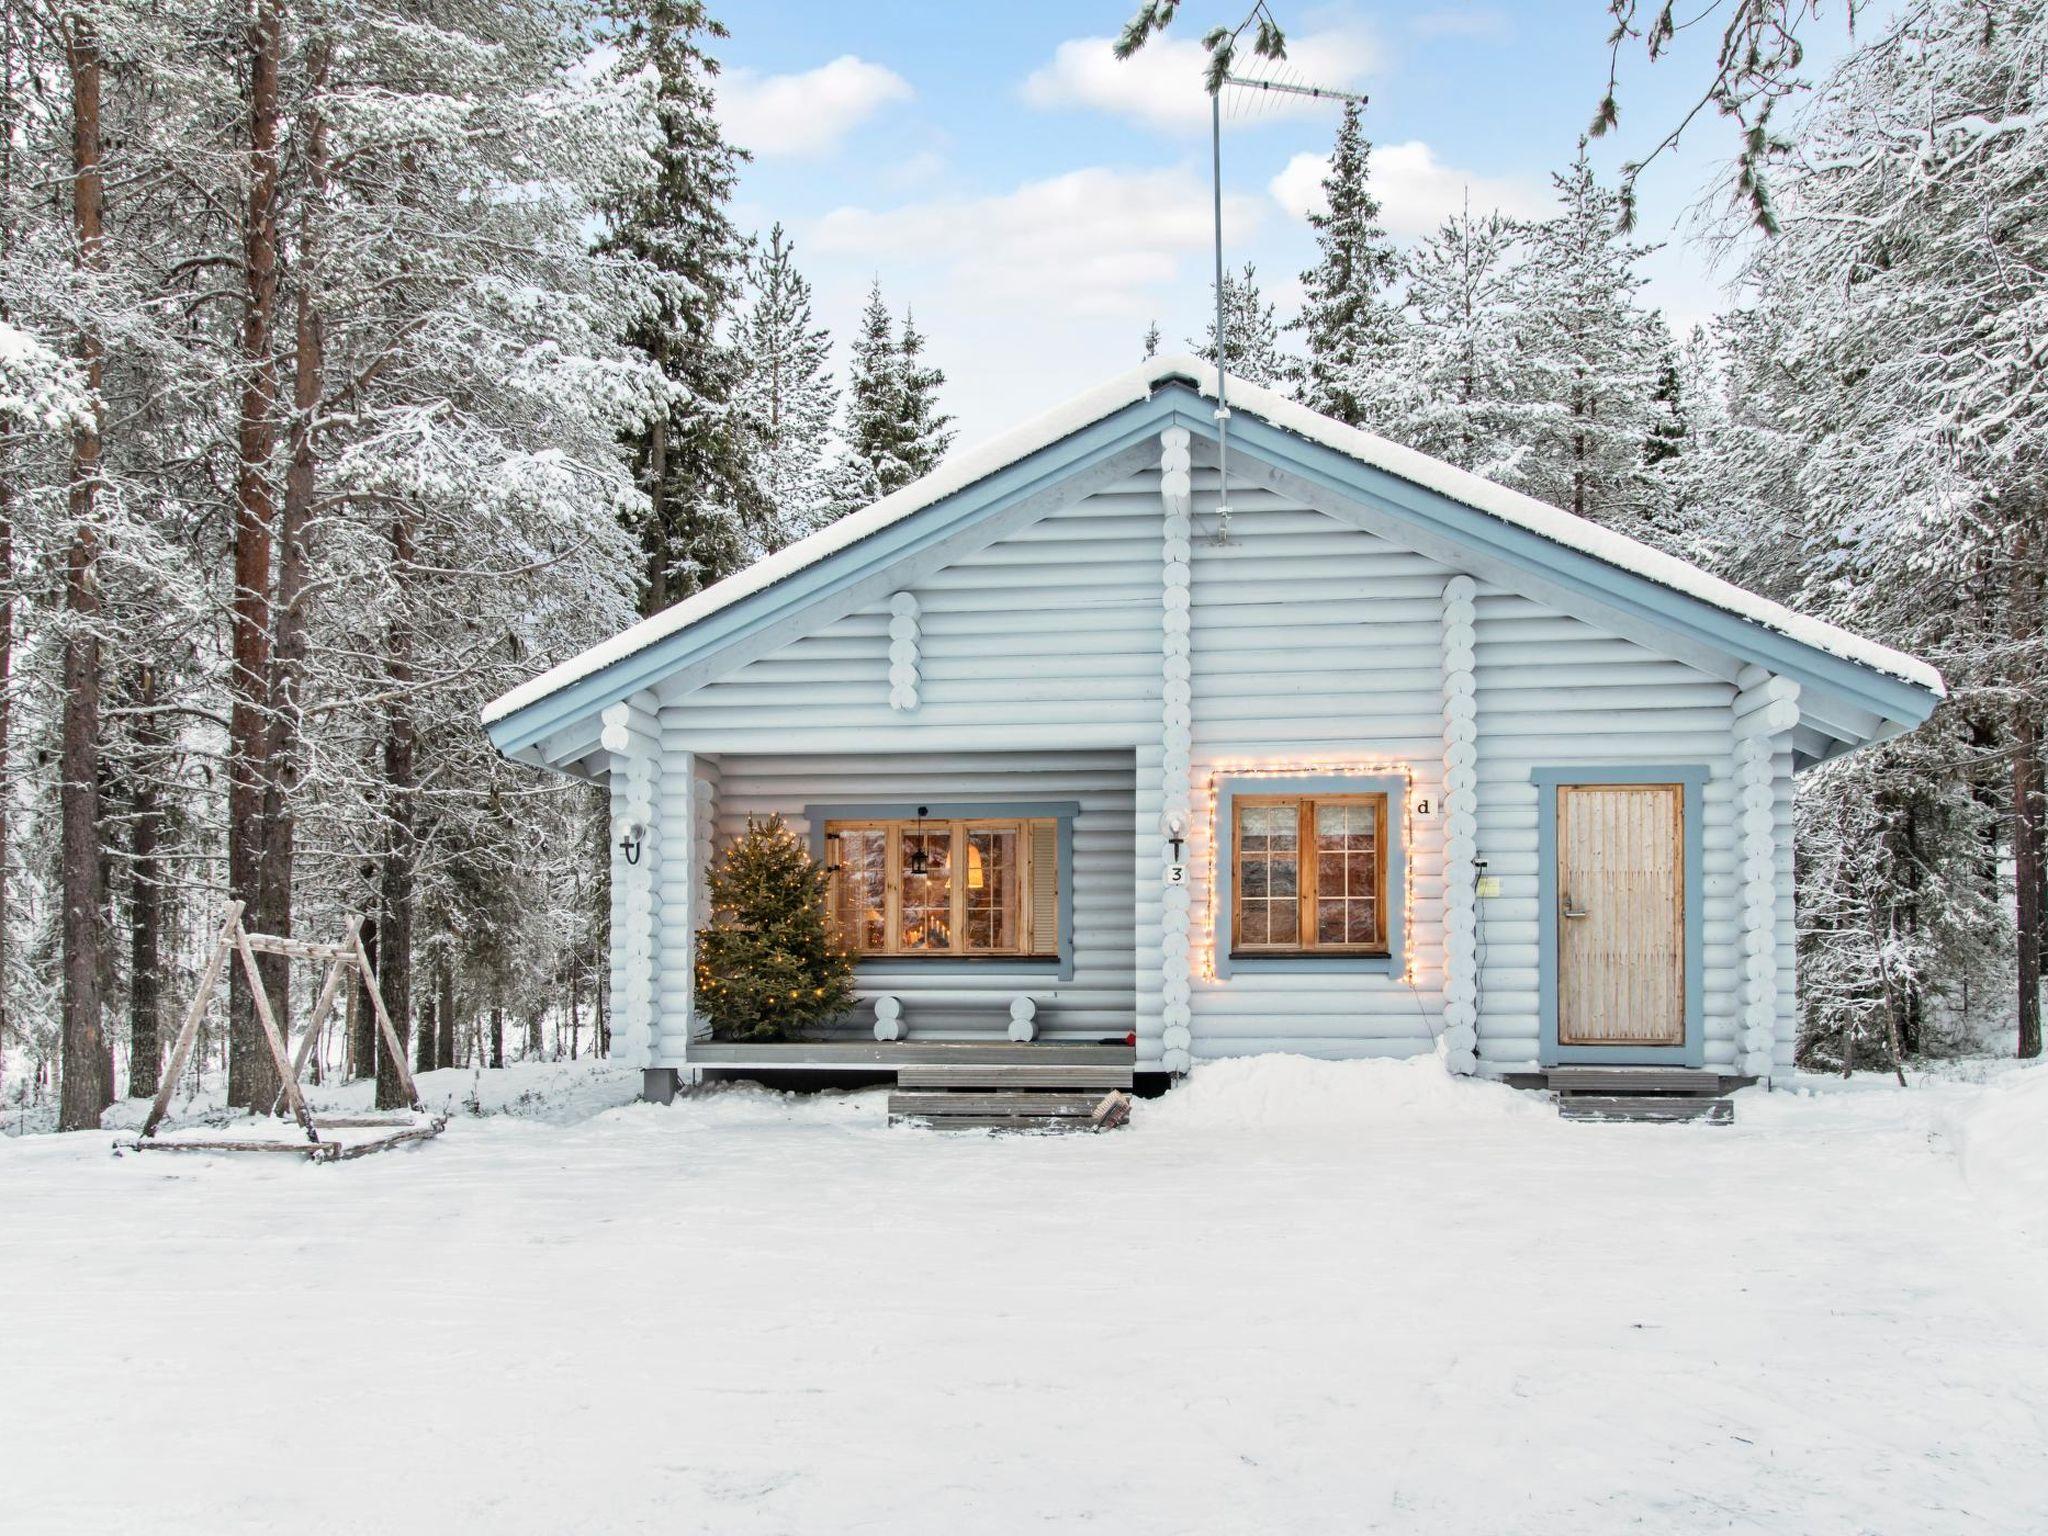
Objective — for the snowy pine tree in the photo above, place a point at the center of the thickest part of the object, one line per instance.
(1906, 294)
(1463, 360)
(1900, 933)
(1352, 330)
(693, 458)
(1251, 334)
(789, 396)
(894, 430)
(1588, 358)
(927, 431)
(872, 462)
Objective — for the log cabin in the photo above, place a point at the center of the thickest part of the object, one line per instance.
(1367, 757)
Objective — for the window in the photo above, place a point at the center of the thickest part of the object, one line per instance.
(1309, 874)
(944, 888)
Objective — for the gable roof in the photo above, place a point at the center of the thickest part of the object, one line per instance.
(1899, 689)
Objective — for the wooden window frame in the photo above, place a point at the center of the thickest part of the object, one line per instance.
(1307, 946)
(1029, 946)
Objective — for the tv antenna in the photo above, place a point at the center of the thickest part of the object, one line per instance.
(1258, 93)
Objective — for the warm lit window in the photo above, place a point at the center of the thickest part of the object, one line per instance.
(938, 887)
(1309, 874)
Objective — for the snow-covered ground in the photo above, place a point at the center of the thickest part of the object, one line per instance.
(1289, 1299)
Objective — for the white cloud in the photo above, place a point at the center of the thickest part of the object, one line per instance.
(1161, 84)
(1036, 292)
(1417, 192)
(807, 113)
(1096, 241)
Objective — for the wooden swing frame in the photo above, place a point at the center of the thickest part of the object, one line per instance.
(343, 959)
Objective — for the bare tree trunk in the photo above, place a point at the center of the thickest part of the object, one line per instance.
(6, 701)
(146, 896)
(252, 1079)
(278, 762)
(364, 1040)
(497, 1037)
(446, 1008)
(401, 809)
(88, 1086)
(2027, 872)
(426, 1040)
(10, 115)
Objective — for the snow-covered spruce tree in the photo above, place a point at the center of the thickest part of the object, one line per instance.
(1251, 334)
(1151, 342)
(789, 397)
(427, 419)
(128, 161)
(1689, 428)
(1462, 357)
(1910, 291)
(42, 401)
(1351, 327)
(1735, 493)
(1902, 931)
(1588, 358)
(927, 431)
(693, 458)
(489, 495)
(768, 967)
(894, 431)
(871, 460)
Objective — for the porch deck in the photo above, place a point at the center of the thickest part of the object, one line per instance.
(888, 1055)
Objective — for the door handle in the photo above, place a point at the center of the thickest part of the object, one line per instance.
(1572, 911)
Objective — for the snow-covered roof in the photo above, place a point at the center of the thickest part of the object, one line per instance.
(1084, 410)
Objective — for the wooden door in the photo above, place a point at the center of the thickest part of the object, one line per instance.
(1621, 914)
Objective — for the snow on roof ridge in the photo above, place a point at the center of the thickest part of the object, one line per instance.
(986, 458)
(1572, 531)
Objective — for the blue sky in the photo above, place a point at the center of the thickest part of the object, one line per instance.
(1039, 204)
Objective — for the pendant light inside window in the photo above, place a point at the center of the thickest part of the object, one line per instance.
(920, 861)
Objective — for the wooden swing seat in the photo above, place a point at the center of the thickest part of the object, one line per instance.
(312, 1151)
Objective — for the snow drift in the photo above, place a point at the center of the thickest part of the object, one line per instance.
(2004, 1144)
(1274, 1092)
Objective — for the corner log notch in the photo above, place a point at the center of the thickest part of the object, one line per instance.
(1766, 711)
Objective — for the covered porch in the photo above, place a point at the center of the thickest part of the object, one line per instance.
(990, 899)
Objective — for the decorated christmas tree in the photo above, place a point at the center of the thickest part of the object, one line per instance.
(768, 967)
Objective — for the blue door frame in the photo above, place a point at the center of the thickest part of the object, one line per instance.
(1692, 1050)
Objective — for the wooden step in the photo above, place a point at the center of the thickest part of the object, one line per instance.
(1062, 1123)
(998, 1075)
(972, 1109)
(1650, 1106)
(938, 1103)
(1633, 1080)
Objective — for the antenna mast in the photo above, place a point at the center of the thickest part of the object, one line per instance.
(1269, 87)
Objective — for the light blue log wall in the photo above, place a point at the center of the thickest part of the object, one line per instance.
(1315, 645)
